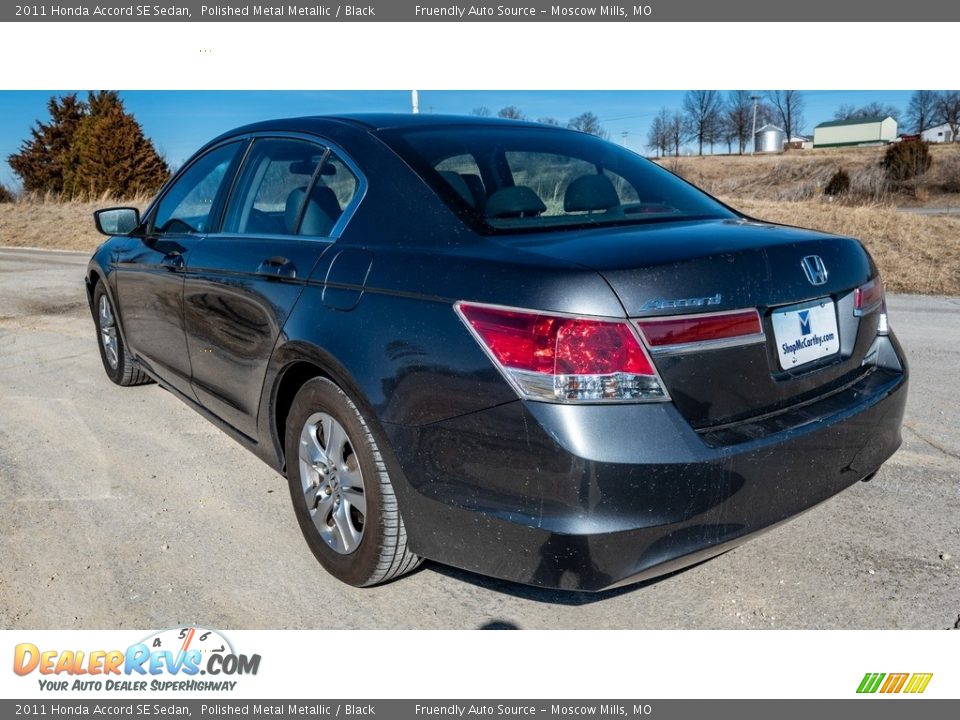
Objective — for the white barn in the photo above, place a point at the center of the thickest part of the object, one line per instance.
(855, 131)
(939, 134)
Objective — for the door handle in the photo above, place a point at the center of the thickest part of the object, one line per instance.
(173, 261)
(277, 267)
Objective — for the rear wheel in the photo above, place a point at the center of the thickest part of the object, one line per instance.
(119, 365)
(340, 488)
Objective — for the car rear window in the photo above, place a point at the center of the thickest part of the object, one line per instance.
(512, 179)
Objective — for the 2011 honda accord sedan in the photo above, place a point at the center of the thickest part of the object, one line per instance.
(508, 347)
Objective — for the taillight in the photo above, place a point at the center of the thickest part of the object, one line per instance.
(867, 298)
(567, 359)
(688, 332)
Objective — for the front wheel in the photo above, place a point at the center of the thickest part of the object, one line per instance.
(119, 365)
(341, 491)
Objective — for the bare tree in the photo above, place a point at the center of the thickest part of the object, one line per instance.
(589, 123)
(738, 119)
(728, 134)
(922, 110)
(948, 110)
(511, 112)
(548, 121)
(845, 112)
(788, 105)
(766, 114)
(657, 134)
(482, 111)
(870, 110)
(702, 115)
(664, 120)
(675, 133)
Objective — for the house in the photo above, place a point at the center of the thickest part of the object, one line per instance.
(940, 134)
(855, 131)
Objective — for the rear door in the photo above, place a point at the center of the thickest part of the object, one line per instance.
(150, 269)
(284, 213)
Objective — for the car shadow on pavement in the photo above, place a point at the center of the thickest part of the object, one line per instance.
(570, 598)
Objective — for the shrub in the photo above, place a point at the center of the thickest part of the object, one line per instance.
(5, 195)
(838, 184)
(906, 160)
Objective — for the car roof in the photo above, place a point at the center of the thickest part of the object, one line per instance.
(383, 121)
(373, 122)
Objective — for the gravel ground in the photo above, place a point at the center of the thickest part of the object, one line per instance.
(123, 508)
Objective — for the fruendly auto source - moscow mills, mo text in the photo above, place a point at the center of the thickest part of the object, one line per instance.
(57, 11)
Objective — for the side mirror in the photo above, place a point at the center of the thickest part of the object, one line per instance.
(117, 221)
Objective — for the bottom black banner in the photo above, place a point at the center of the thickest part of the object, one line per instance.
(873, 707)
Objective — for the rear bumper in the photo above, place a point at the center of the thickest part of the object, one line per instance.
(589, 497)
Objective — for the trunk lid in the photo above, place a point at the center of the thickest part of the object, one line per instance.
(660, 270)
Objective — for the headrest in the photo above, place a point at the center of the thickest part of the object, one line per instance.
(590, 192)
(320, 215)
(516, 201)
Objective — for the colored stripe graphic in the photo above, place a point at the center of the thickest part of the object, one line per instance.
(918, 683)
(870, 682)
(894, 683)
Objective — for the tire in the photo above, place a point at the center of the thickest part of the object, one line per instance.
(119, 365)
(341, 492)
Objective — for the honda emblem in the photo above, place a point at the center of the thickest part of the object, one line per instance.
(815, 269)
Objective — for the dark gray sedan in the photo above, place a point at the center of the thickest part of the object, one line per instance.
(512, 348)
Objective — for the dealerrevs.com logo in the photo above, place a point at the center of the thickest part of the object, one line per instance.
(180, 659)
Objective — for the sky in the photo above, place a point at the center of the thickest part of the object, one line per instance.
(179, 122)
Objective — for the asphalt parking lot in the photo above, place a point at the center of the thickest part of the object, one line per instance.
(123, 508)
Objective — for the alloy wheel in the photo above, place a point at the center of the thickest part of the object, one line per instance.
(332, 482)
(108, 332)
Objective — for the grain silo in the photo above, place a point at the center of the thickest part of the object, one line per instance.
(769, 139)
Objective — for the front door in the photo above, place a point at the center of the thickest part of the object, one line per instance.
(150, 268)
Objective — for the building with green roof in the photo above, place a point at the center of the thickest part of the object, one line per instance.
(875, 130)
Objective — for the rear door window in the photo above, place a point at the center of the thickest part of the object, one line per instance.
(272, 187)
(290, 187)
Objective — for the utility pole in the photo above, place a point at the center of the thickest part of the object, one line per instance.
(624, 136)
(753, 146)
(415, 101)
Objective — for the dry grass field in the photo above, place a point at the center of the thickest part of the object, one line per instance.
(49, 225)
(802, 175)
(916, 253)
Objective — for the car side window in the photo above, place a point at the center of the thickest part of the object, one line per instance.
(340, 180)
(188, 205)
(334, 188)
(272, 188)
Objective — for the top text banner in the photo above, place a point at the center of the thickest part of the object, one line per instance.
(511, 11)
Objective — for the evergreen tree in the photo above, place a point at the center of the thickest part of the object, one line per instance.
(43, 157)
(110, 153)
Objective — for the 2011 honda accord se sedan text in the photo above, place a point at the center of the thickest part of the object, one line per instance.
(508, 347)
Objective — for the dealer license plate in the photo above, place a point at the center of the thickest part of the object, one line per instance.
(806, 333)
